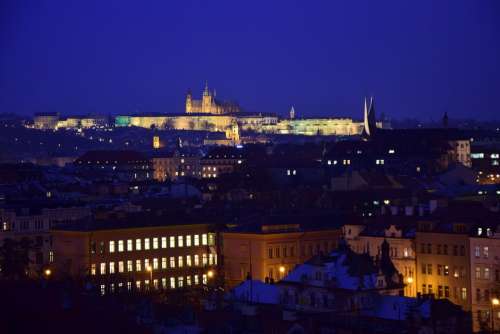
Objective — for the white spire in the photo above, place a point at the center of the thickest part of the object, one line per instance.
(292, 113)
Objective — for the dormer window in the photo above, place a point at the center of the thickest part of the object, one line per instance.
(479, 231)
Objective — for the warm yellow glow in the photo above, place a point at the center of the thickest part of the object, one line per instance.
(282, 269)
(409, 280)
(149, 268)
(210, 274)
(495, 301)
(47, 272)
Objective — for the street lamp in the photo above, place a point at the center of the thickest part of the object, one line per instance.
(47, 272)
(494, 302)
(210, 274)
(282, 271)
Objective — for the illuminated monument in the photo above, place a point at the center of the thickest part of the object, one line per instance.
(209, 104)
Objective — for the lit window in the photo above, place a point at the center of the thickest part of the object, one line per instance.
(111, 267)
(196, 240)
(146, 264)
(172, 242)
(138, 244)
(180, 281)
(204, 259)
(121, 267)
(155, 283)
(464, 293)
(172, 282)
(288, 172)
(155, 263)
(196, 260)
(130, 245)
(103, 289)
(485, 252)
(392, 151)
(138, 285)
(196, 280)
(138, 265)
(486, 273)
(103, 269)
(163, 242)
(146, 243)
(163, 263)
(111, 246)
(121, 246)
(92, 269)
(155, 243)
(477, 251)
(211, 239)
(204, 278)
(51, 256)
(210, 259)
(129, 286)
(163, 283)
(478, 272)
(479, 230)
(180, 241)
(180, 261)
(172, 262)
(329, 162)
(204, 239)
(188, 260)
(188, 241)
(188, 280)
(130, 266)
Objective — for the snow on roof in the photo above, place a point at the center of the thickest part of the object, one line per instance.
(256, 291)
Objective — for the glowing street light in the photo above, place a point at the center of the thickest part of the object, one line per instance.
(47, 272)
(150, 270)
(210, 274)
(495, 302)
(409, 280)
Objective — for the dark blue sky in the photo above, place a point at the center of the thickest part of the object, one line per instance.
(419, 58)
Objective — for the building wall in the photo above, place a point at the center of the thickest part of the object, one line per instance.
(272, 255)
(485, 280)
(113, 260)
(170, 168)
(447, 256)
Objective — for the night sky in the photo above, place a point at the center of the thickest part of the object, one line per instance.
(418, 58)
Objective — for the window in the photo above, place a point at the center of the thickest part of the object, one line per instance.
(146, 243)
(130, 266)
(188, 260)
(485, 252)
(477, 251)
(188, 241)
(138, 244)
(121, 267)
(211, 239)
(188, 280)
(196, 280)
(447, 291)
(424, 268)
(462, 250)
(429, 249)
(121, 246)
(438, 250)
(103, 289)
(51, 256)
(270, 253)
(163, 263)
(478, 295)
(138, 285)
(440, 291)
(424, 289)
(111, 246)
(92, 269)
(196, 260)
(429, 288)
(486, 273)
(196, 240)
(130, 245)
(155, 243)
(210, 259)
(478, 272)
(204, 259)
(155, 263)
(163, 242)
(445, 249)
(446, 270)
(422, 248)
(429, 269)
(204, 239)
(180, 281)
(277, 252)
(103, 269)
(292, 251)
(284, 252)
(405, 252)
(163, 283)
(204, 278)
(172, 262)
(172, 242)
(439, 269)
(180, 241)
(180, 262)
(172, 282)
(138, 265)
(101, 247)
(111, 267)
(455, 250)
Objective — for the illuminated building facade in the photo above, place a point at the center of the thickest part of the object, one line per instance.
(209, 105)
(270, 251)
(176, 164)
(136, 258)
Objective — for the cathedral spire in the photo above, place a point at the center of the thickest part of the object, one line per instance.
(292, 113)
(206, 91)
(369, 119)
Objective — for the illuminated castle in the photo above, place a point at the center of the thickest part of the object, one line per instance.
(209, 104)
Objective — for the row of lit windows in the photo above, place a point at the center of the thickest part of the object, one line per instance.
(311, 249)
(163, 283)
(477, 251)
(443, 270)
(156, 243)
(442, 249)
(153, 264)
(444, 291)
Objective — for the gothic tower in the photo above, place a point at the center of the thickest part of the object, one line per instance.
(292, 113)
(206, 103)
(189, 102)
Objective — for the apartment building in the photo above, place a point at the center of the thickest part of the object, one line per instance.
(269, 251)
(137, 255)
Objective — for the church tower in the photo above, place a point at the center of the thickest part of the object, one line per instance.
(189, 102)
(292, 113)
(370, 123)
(206, 103)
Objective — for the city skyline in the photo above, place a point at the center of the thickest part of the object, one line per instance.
(322, 59)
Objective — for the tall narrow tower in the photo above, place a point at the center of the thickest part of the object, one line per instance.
(206, 102)
(292, 113)
(369, 121)
(189, 102)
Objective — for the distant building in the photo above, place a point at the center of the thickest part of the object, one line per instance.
(209, 105)
(46, 121)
